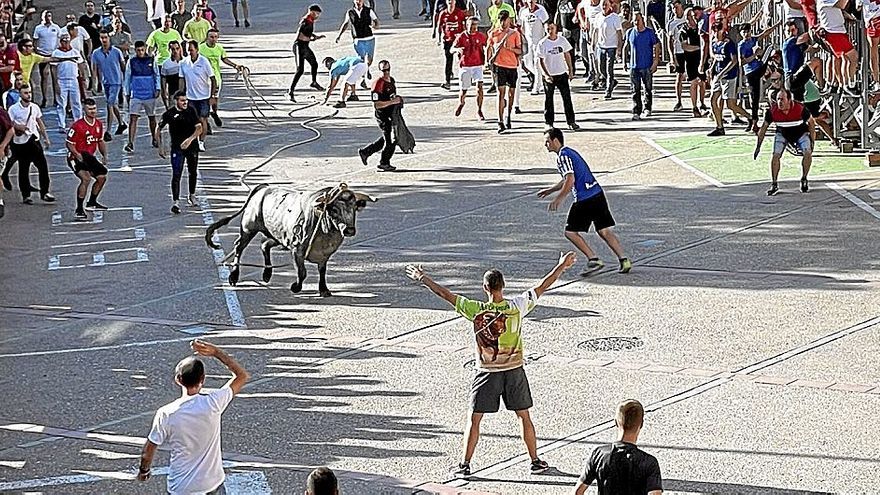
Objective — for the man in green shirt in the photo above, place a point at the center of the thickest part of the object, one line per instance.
(197, 27)
(498, 338)
(157, 41)
(215, 53)
(495, 8)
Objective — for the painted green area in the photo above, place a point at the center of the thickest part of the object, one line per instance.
(729, 158)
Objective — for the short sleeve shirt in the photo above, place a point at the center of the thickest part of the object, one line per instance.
(384, 91)
(570, 162)
(27, 63)
(110, 64)
(533, 22)
(343, 65)
(830, 16)
(198, 77)
(553, 53)
(792, 55)
(5, 122)
(506, 58)
(181, 125)
(9, 57)
(746, 50)
(46, 37)
(25, 116)
(676, 24)
(452, 23)
(159, 40)
(197, 30)
(498, 329)
(791, 124)
(85, 137)
(190, 428)
(609, 30)
(722, 53)
(214, 54)
(642, 43)
(306, 27)
(622, 467)
(494, 11)
(474, 53)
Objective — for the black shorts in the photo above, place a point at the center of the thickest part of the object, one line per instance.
(692, 65)
(90, 164)
(798, 81)
(679, 63)
(505, 77)
(491, 386)
(591, 211)
(813, 107)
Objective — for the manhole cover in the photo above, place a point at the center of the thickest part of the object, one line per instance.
(611, 344)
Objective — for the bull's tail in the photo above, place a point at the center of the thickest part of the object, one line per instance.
(209, 232)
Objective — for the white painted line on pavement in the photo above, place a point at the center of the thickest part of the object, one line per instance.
(854, 199)
(139, 235)
(232, 302)
(681, 163)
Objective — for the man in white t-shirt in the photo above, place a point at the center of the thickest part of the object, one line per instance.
(610, 41)
(557, 69)
(200, 83)
(794, 12)
(532, 19)
(155, 12)
(676, 52)
(190, 426)
(45, 42)
(846, 58)
(68, 80)
(871, 17)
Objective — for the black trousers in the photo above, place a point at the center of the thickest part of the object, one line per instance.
(192, 166)
(447, 47)
(561, 83)
(27, 154)
(304, 54)
(754, 79)
(385, 143)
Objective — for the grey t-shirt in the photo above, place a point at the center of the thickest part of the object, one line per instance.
(621, 468)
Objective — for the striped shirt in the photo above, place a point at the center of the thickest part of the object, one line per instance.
(585, 185)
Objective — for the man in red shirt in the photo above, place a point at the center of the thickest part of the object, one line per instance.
(84, 139)
(794, 127)
(471, 49)
(451, 22)
(8, 62)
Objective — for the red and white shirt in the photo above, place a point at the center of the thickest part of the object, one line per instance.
(85, 137)
(452, 23)
(474, 53)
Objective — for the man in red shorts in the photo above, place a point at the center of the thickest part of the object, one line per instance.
(871, 17)
(471, 49)
(451, 24)
(832, 26)
(84, 139)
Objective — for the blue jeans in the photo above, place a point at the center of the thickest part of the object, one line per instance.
(606, 67)
(638, 77)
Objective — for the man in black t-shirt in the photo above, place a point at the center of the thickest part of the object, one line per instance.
(184, 126)
(385, 101)
(621, 468)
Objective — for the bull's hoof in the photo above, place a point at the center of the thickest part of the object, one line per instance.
(233, 277)
(295, 288)
(267, 274)
(325, 293)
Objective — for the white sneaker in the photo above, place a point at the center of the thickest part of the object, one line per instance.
(175, 208)
(191, 200)
(201, 146)
(647, 113)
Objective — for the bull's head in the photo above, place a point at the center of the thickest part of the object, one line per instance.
(342, 205)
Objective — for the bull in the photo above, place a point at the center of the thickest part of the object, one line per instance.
(312, 225)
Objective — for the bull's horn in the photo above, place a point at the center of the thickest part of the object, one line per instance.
(364, 197)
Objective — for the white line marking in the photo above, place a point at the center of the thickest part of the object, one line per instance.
(56, 218)
(54, 263)
(232, 302)
(13, 464)
(139, 235)
(98, 217)
(98, 259)
(854, 199)
(681, 163)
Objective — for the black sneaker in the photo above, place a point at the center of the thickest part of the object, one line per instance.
(422, 13)
(175, 208)
(717, 132)
(236, 24)
(210, 131)
(80, 216)
(155, 143)
(611, 87)
(364, 156)
(339, 104)
(773, 190)
(122, 128)
(703, 107)
(507, 123)
(492, 89)
(538, 466)
(517, 110)
(738, 121)
(47, 198)
(677, 107)
(353, 97)
(445, 86)
(94, 205)
(386, 168)
(501, 128)
(128, 148)
(573, 126)
(462, 470)
(805, 186)
(316, 86)
(217, 121)
(107, 137)
(291, 97)
(247, 23)
(27, 201)
(364, 84)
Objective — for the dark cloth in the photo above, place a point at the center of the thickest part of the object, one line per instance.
(621, 468)
(5, 122)
(384, 143)
(306, 28)
(173, 82)
(692, 65)
(192, 163)
(181, 125)
(505, 77)
(639, 78)
(179, 19)
(27, 154)
(384, 91)
(361, 25)
(791, 124)
(92, 26)
(755, 79)
(591, 211)
(447, 47)
(90, 164)
(489, 387)
(402, 136)
(304, 54)
(798, 82)
(657, 11)
(561, 83)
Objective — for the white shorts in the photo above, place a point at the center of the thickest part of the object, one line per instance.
(355, 73)
(727, 87)
(468, 76)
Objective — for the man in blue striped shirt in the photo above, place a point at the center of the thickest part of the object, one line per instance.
(590, 206)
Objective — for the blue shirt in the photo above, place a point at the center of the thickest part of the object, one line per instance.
(641, 47)
(723, 52)
(746, 50)
(343, 65)
(792, 55)
(585, 186)
(110, 65)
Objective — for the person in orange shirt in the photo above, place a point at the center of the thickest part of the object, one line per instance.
(503, 52)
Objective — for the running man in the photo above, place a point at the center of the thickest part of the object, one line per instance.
(385, 101)
(505, 49)
(215, 53)
(590, 206)
(304, 36)
(794, 127)
(362, 20)
(184, 127)
(471, 49)
(84, 139)
(498, 338)
(353, 68)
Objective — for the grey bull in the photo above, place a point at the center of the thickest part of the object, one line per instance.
(310, 224)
